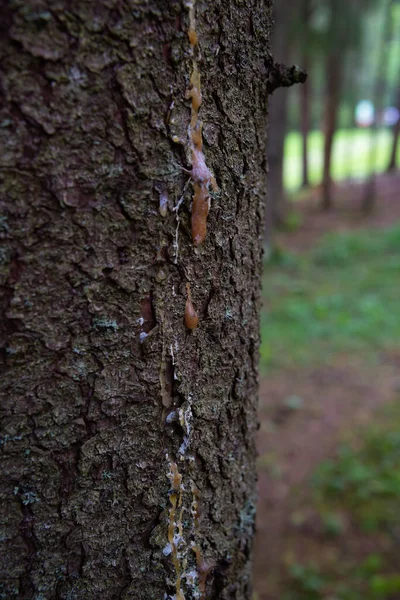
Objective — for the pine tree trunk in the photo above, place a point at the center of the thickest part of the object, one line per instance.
(395, 139)
(305, 127)
(128, 468)
(277, 205)
(333, 75)
(369, 199)
(305, 94)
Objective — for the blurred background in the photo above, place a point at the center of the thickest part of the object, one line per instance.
(328, 522)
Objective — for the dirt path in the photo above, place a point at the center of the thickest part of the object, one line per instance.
(292, 441)
(331, 400)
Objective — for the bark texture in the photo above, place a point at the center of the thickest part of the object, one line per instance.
(113, 411)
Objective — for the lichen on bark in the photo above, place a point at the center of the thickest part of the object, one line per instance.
(97, 357)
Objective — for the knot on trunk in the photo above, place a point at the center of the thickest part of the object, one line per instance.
(282, 76)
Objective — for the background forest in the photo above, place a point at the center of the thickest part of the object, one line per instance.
(329, 442)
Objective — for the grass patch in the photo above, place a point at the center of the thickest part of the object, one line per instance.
(351, 155)
(363, 582)
(362, 484)
(364, 478)
(341, 297)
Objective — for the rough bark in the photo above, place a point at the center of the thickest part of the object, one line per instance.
(112, 409)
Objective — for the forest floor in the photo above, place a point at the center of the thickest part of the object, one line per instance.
(311, 223)
(328, 523)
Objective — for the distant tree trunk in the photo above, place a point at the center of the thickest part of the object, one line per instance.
(305, 127)
(395, 138)
(370, 194)
(332, 96)
(352, 97)
(277, 111)
(369, 197)
(128, 444)
(305, 95)
(277, 201)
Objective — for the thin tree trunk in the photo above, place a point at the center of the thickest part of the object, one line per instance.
(395, 139)
(277, 201)
(350, 155)
(305, 95)
(277, 206)
(333, 74)
(128, 468)
(305, 127)
(368, 202)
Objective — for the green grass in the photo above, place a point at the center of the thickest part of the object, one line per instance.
(366, 581)
(341, 297)
(364, 478)
(351, 155)
(362, 482)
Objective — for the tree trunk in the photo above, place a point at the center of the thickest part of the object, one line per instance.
(333, 74)
(395, 139)
(305, 127)
(128, 431)
(277, 206)
(369, 198)
(305, 95)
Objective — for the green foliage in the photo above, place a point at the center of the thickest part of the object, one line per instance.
(281, 258)
(341, 297)
(354, 248)
(333, 524)
(292, 222)
(365, 480)
(382, 587)
(307, 582)
(355, 582)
